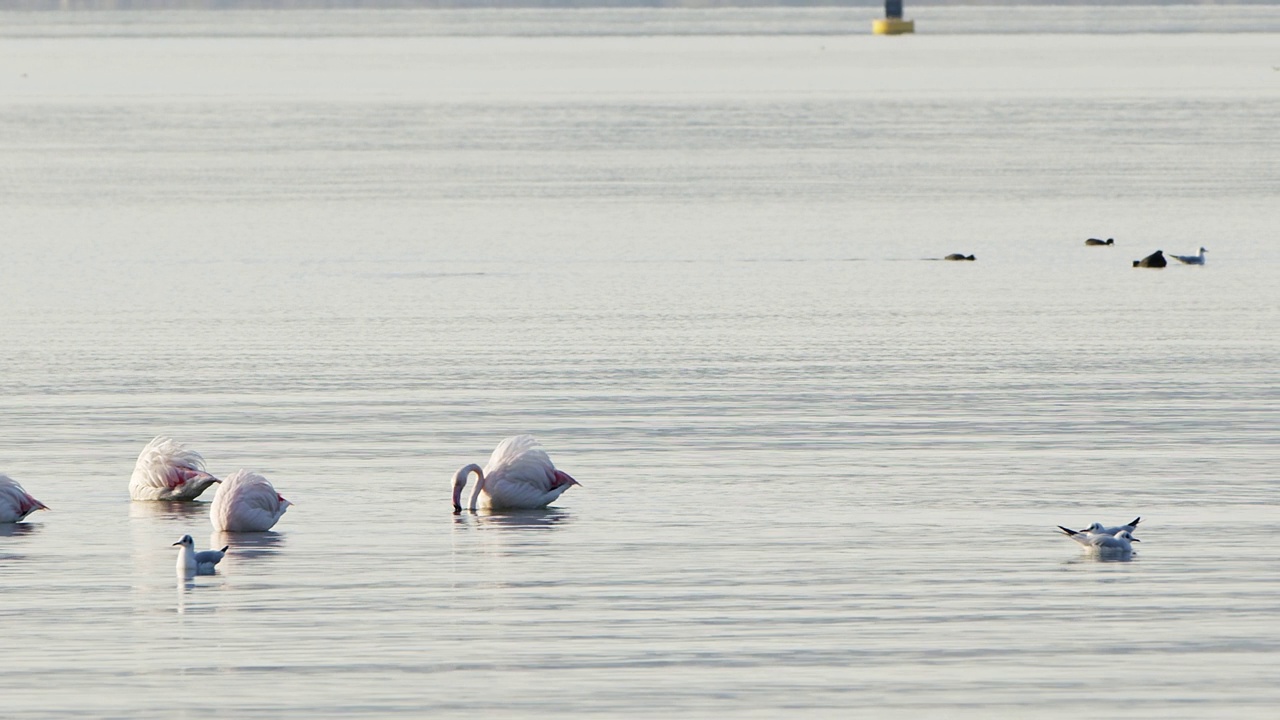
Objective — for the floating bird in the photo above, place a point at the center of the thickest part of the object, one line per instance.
(1097, 241)
(1192, 259)
(191, 562)
(959, 256)
(16, 503)
(167, 470)
(246, 502)
(1154, 260)
(519, 476)
(1100, 529)
(1101, 543)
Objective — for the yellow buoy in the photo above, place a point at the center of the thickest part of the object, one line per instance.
(892, 26)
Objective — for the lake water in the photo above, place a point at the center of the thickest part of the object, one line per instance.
(821, 471)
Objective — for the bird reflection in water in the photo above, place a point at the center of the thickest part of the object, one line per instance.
(248, 545)
(168, 509)
(519, 520)
(19, 529)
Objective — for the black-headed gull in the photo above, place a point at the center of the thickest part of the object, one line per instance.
(1101, 529)
(191, 562)
(1192, 259)
(246, 502)
(519, 476)
(16, 503)
(168, 470)
(1101, 543)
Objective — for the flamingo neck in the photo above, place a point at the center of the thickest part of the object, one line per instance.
(460, 482)
(475, 494)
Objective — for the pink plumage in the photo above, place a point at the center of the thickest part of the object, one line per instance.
(168, 470)
(246, 502)
(15, 502)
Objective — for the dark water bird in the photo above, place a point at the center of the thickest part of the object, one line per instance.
(1096, 241)
(1192, 259)
(1154, 260)
(959, 256)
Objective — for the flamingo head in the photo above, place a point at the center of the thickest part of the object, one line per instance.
(460, 482)
(187, 542)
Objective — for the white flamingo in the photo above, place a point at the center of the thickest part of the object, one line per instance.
(519, 476)
(16, 503)
(168, 470)
(246, 502)
(191, 562)
(1103, 544)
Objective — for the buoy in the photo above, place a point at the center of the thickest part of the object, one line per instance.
(892, 22)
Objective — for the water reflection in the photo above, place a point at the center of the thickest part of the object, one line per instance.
(249, 545)
(544, 519)
(1108, 558)
(19, 529)
(167, 510)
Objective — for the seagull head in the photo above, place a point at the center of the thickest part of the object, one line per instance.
(1125, 534)
(1094, 527)
(187, 542)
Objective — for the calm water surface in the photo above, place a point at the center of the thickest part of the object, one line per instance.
(821, 471)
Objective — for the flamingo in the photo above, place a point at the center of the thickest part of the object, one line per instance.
(191, 562)
(1103, 544)
(16, 503)
(246, 502)
(519, 476)
(1192, 259)
(168, 470)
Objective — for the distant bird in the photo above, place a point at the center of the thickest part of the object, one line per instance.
(167, 470)
(246, 502)
(1192, 259)
(519, 476)
(1100, 529)
(1154, 260)
(1096, 241)
(16, 503)
(191, 562)
(1103, 544)
(959, 256)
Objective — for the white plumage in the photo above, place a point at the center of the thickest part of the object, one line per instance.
(1100, 529)
(1192, 259)
(16, 503)
(246, 502)
(519, 476)
(168, 470)
(1102, 543)
(191, 562)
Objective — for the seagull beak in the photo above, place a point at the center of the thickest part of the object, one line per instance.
(1135, 539)
(177, 543)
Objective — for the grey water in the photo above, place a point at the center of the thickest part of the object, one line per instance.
(821, 470)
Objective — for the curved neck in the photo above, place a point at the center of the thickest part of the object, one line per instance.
(460, 482)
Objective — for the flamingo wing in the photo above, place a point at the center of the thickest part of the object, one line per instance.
(246, 502)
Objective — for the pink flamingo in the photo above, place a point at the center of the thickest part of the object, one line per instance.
(246, 502)
(519, 476)
(168, 470)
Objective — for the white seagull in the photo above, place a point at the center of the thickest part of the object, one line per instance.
(1103, 544)
(16, 503)
(168, 470)
(191, 562)
(1100, 529)
(246, 502)
(1192, 259)
(519, 476)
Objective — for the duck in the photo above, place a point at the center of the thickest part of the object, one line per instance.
(1098, 241)
(1154, 260)
(959, 256)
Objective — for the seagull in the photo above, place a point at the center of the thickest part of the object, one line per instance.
(191, 562)
(1098, 528)
(1103, 544)
(168, 470)
(16, 503)
(1099, 241)
(1192, 259)
(246, 502)
(519, 476)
